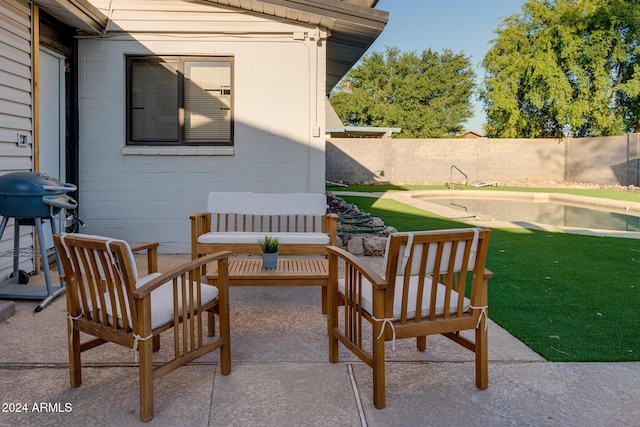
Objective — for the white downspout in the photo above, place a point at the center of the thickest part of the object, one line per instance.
(317, 77)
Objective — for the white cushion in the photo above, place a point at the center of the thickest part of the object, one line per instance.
(267, 203)
(252, 237)
(107, 240)
(367, 298)
(162, 301)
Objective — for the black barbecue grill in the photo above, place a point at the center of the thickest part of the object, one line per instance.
(30, 198)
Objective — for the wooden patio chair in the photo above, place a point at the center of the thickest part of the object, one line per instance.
(109, 301)
(427, 275)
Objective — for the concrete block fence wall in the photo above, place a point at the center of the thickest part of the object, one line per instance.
(605, 160)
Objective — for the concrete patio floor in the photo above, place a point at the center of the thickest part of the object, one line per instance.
(281, 377)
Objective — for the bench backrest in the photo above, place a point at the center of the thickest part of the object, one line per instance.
(266, 212)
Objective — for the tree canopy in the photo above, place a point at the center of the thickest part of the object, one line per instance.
(564, 68)
(427, 95)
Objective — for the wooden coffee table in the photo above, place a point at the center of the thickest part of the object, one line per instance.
(293, 271)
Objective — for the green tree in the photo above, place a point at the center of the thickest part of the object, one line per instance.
(564, 68)
(427, 95)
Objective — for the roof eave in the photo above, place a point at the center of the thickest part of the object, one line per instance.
(79, 14)
(353, 26)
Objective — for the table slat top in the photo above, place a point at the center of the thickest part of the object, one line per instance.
(293, 267)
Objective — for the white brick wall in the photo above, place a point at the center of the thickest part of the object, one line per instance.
(277, 102)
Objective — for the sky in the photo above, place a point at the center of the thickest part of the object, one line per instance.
(464, 26)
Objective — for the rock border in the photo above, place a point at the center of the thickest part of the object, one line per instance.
(359, 232)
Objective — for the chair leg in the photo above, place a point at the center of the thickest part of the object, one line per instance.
(75, 366)
(211, 321)
(421, 343)
(324, 299)
(332, 324)
(482, 356)
(378, 372)
(156, 343)
(146, 380)
(225, 331)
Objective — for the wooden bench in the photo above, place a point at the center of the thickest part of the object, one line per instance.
(234, 221)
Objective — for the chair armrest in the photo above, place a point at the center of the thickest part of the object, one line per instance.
(175, 272)
(352, 262)
(480, 290)
(144, 246)
(152, 254)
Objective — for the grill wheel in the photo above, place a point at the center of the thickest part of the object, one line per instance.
(23, 277)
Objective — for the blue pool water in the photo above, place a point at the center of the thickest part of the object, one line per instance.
(551, 213)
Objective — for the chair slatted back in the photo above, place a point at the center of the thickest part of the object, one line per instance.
(438, 262)
(100, 278)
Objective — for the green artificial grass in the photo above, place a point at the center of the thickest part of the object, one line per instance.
(568, 297)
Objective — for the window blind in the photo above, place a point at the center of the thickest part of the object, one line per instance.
(207, 101)
(154, 101)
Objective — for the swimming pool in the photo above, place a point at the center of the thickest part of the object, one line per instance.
(538, 208)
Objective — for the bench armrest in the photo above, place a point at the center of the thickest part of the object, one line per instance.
(200, 224)
(330, 226)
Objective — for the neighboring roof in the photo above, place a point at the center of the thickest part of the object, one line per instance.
(353, 24)
(334, 127)
(471, 134)
(362, 132)
(78, 14)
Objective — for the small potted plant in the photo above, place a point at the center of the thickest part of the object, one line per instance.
(269, 246)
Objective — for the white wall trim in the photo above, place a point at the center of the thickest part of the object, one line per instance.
(177, 151)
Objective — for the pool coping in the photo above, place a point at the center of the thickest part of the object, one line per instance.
(409, 198)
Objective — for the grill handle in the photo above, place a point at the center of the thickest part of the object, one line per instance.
(65, 187)
(58, 201)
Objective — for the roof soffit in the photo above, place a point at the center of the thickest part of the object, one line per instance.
(353, 26)
(79, 14)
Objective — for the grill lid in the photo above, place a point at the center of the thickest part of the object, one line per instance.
(26, 184)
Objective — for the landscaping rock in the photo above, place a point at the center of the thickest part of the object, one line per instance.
(374, 246)
(355, 245)
(359, 232)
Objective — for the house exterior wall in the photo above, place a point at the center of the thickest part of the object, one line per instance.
(15, 108)
(147, 193)
(15, 80)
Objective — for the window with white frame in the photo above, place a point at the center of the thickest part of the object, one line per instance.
(177, 100)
